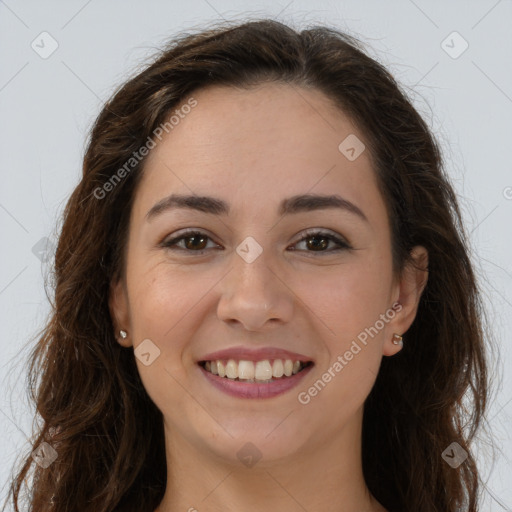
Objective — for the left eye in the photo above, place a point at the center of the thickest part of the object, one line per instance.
(197, 241)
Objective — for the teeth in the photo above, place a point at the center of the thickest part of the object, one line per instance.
(231, 369)
(278, 368)
(249, 371)
(288, 367)
(246, 370)
(263, 370)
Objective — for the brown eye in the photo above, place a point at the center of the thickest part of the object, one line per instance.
(198, 242)
(193, 241)
(318, 241)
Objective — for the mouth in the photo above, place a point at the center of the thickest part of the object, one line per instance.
(243, 378)
(263, 371)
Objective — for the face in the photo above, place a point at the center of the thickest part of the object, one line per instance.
(310, 281)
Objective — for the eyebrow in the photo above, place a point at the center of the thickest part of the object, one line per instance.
(216, 206)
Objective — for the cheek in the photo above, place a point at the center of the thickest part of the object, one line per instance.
(163, 310)
(161, 297)
(162, 304)
(350, 299)
(348, 305)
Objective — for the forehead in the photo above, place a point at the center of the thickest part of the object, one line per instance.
(258, 145)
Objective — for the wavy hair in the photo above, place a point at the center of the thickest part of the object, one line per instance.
(86, 387)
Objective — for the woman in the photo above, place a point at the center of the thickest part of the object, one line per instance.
(264, 298)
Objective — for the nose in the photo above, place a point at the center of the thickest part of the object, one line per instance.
(255, 295)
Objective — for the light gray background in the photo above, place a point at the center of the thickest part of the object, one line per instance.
(48, 105)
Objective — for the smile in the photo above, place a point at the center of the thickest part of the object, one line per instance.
(251, 371)
(255, 379)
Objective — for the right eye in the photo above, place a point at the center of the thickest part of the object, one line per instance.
(197, 245)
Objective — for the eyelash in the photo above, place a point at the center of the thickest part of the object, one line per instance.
(342, 244)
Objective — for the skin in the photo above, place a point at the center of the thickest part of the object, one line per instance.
(253, 148)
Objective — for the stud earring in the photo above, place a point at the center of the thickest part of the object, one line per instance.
(123, 334)
(398, 340)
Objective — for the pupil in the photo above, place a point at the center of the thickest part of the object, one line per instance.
(191, 245)
(315, 244)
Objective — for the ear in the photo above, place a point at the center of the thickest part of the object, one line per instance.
(119, 311)
(408, 292)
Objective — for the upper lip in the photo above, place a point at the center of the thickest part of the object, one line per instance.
(251, 354)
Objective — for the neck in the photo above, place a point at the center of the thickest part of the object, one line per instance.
(326, 475)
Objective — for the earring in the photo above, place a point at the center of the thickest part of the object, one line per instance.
(123, 334)
(397, 340)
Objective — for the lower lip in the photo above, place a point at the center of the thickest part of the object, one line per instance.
(253, 389)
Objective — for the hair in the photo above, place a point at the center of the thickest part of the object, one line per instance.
(86, 387)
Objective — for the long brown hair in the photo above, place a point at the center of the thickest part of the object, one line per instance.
(86, 387)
